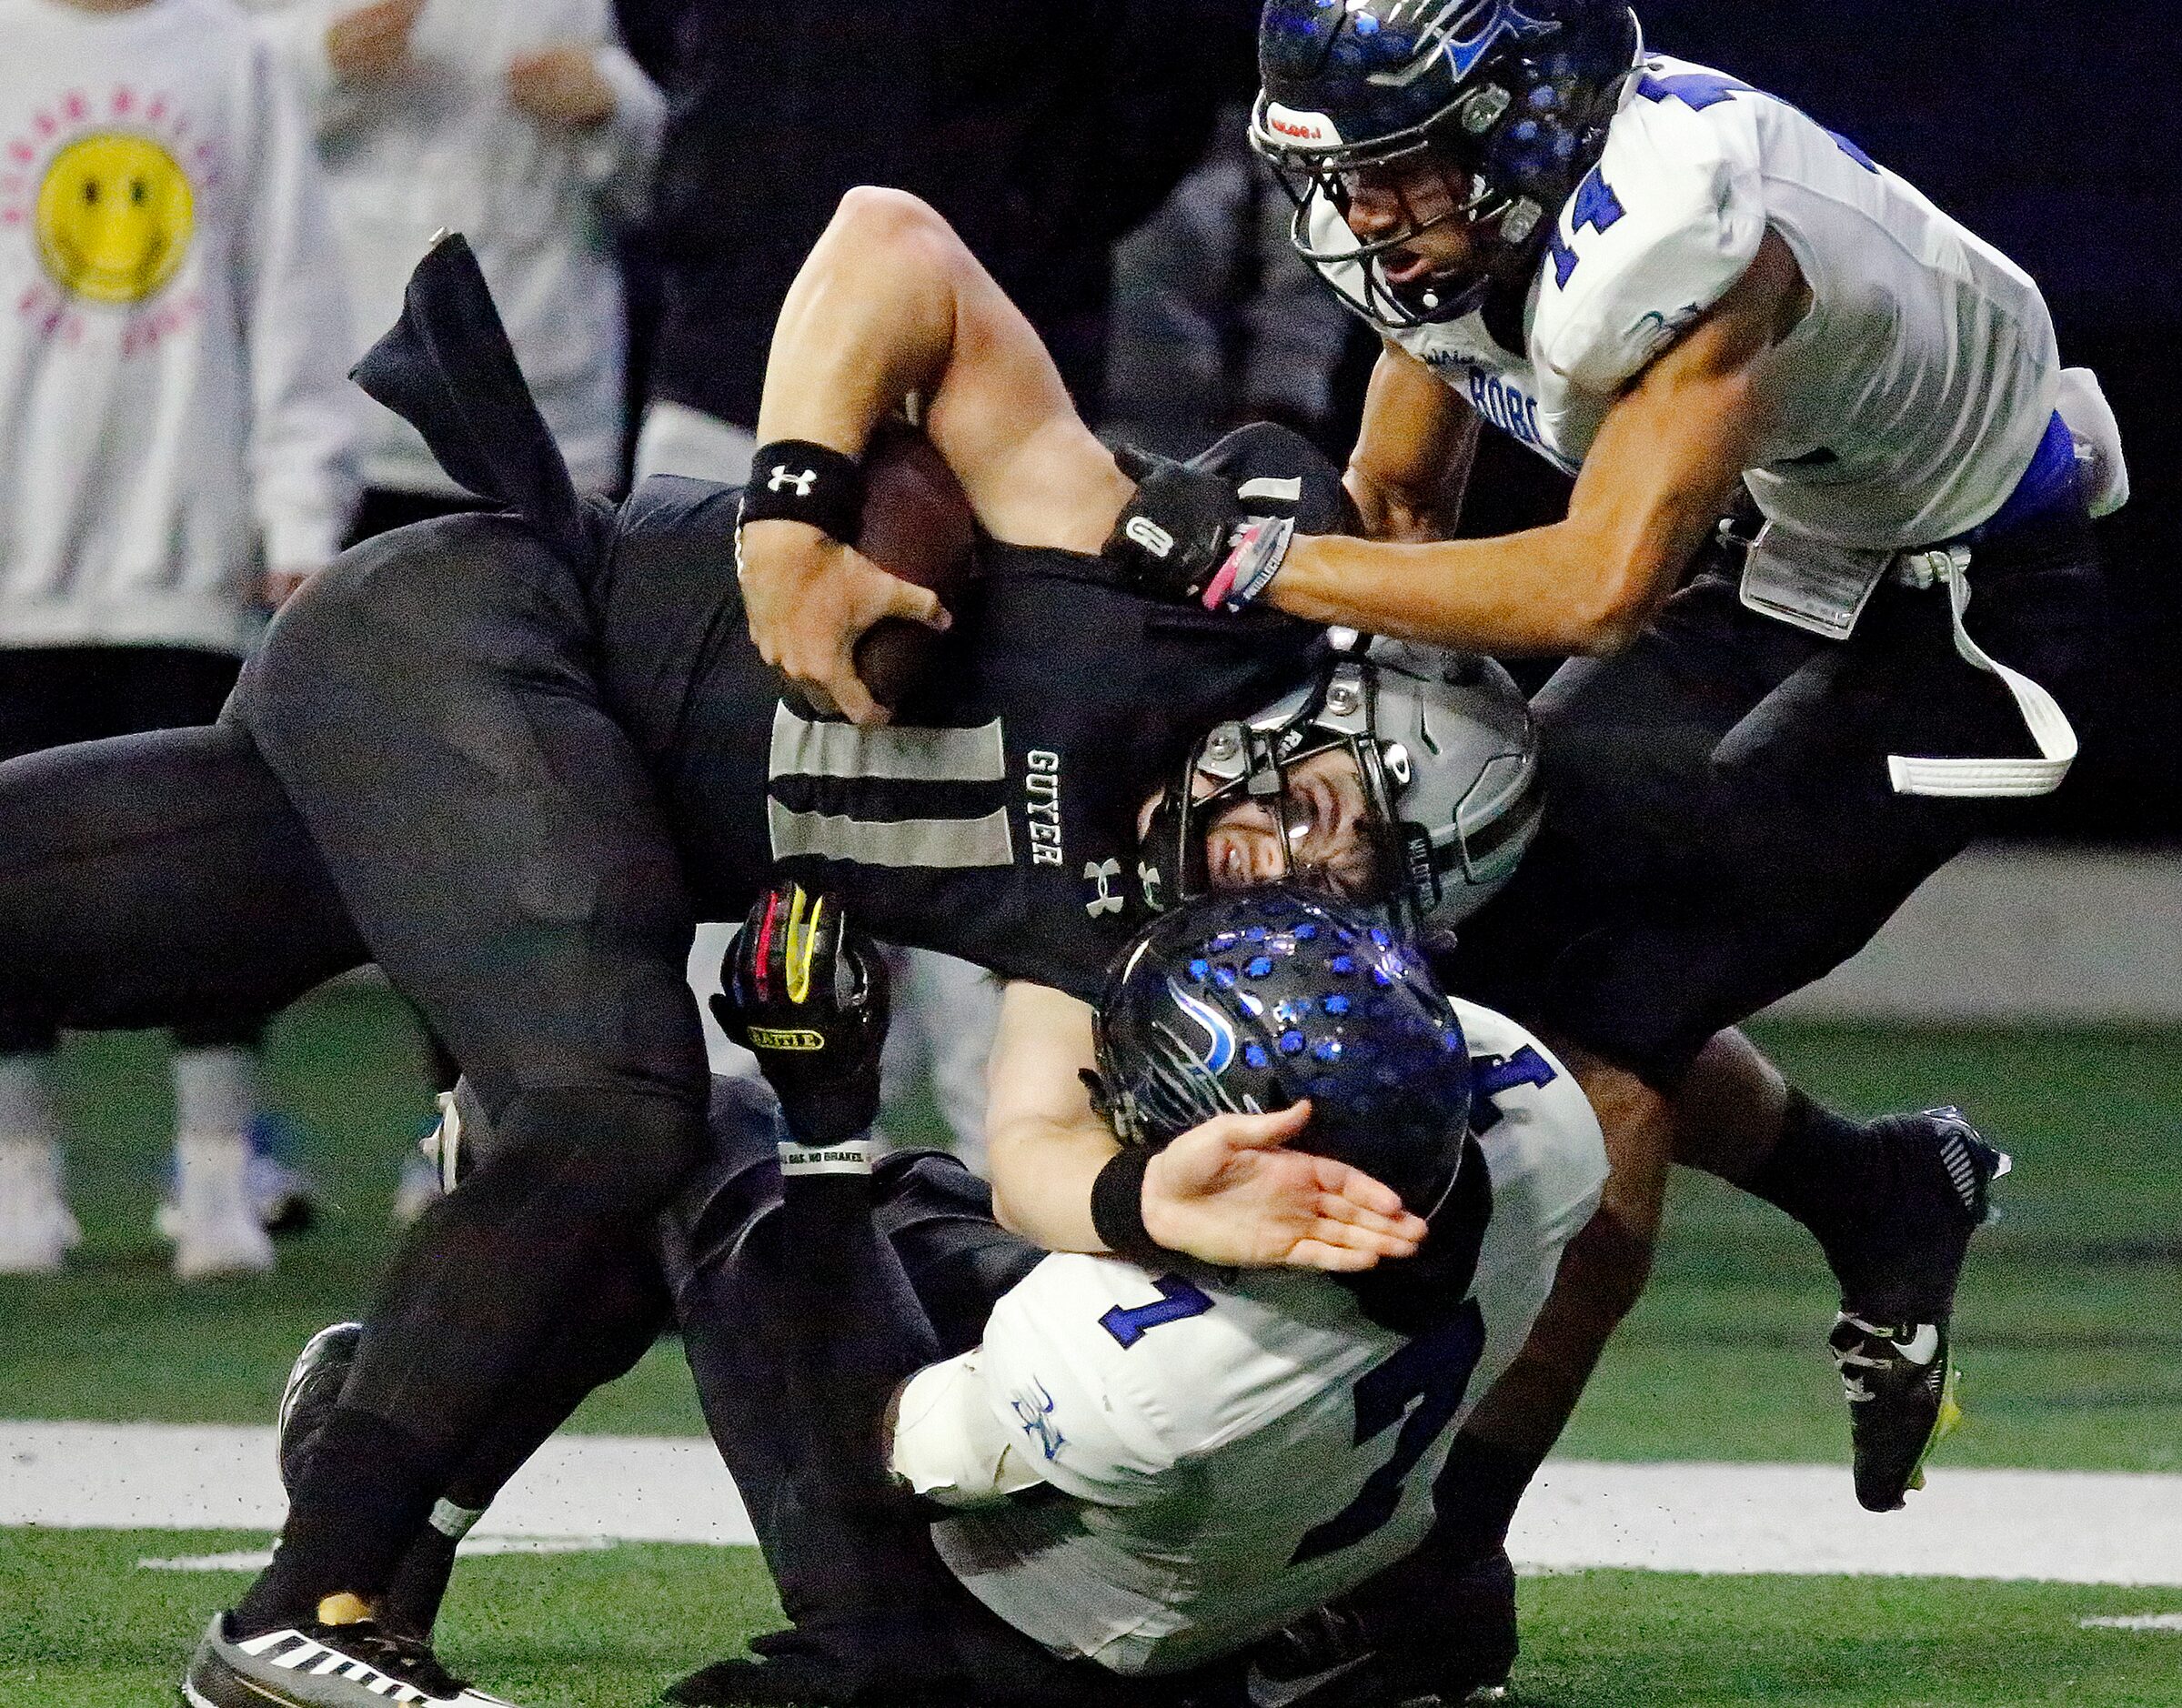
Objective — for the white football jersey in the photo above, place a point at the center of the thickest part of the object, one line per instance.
(1234, 1447)
(1910, 399)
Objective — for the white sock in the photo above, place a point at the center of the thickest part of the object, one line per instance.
(27, 1125)
(27, 1099)
(215, 1093)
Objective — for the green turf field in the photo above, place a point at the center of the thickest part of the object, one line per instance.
(2071, 1330)
(607, 1629)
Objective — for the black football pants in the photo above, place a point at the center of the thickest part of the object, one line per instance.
(1720, 828)
(415, 770)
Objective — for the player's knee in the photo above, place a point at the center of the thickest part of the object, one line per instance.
(632, 1149)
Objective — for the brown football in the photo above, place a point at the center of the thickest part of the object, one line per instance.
(916, 525)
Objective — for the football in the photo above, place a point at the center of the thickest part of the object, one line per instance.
(916, 525)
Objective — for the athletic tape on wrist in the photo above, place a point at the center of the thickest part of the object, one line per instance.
(795, 480)
(854, 1157)
(1116, 1207)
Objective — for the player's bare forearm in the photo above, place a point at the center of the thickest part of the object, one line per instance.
(1665, 461)
(1414, 451)
(1227, 1192)
(1045, 1141)
(890, 304)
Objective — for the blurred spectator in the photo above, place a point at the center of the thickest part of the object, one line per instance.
(1216, 321)
(177, 452)
(523, 125)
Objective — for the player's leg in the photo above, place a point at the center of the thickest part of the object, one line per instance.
(137, 875)
(224, 1187)
(428, 703)
(1804, 851)
(801, 1313)
(39, 706)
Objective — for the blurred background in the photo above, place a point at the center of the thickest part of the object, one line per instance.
(640, 181)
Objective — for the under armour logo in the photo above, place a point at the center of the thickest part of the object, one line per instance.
(1143, 531)
(802, 483)
(1102, 873)
(1147, 877)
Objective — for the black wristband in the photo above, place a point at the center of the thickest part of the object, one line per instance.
(1116, 1207)
(794, 480)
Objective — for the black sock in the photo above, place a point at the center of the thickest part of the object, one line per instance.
(364, 1494)
(1820, 1173)
(1475, 1496)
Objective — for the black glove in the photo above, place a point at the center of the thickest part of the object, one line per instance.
(1172, 536)
(806, 991)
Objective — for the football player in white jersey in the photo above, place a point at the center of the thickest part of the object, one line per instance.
(1144, 1463)
(1704, 306)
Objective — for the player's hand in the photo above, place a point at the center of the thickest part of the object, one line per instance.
(809, 599)
(1172, 537)
(280, 586)
(1227, 1192)
(805, 990)
(561, 85)
(371, 44)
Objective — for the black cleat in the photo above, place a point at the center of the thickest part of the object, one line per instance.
(312, 1666)
(1890, 1342)
(314, 1388)
(1449, 1641)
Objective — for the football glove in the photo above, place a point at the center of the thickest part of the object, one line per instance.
(806, 992)
(1183, 536)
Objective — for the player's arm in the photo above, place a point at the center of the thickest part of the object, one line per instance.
(1225, 1192)
(890, 305)
(1662, 466)
(1414, 451)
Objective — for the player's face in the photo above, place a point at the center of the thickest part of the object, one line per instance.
(1319, 832)
(1423, 198)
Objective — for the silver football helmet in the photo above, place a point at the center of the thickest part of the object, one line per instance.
(1447, 758)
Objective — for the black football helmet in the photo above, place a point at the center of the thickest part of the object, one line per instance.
(1253, 1000)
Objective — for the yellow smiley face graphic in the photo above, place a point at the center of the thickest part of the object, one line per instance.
(115, 218)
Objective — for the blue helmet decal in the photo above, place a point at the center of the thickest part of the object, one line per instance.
(1506, 18)
(1220, 1034)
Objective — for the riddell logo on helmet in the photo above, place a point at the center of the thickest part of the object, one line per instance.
(1297, 127)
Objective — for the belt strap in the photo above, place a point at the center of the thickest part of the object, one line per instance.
(2042, 715)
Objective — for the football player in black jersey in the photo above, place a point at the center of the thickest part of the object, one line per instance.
(511, 758)
(888, 298)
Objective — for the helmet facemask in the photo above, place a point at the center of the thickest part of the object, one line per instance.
(1444, 764)
(1505, 224)
(1260, 763)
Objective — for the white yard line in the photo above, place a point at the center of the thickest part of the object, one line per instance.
(2074, 1527)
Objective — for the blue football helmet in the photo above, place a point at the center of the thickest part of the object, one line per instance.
(1514, 95)
(1252, 999)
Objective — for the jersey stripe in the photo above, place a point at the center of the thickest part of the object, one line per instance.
(804, 748)
(927, 842)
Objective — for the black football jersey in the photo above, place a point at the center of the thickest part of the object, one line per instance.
(995, 819)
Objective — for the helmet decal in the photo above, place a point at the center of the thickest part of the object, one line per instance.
(1221, 1035)
(1505, 18)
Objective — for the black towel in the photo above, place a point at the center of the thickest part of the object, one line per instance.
(448, 370)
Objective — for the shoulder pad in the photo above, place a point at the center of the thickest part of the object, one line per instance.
(1668, 219)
